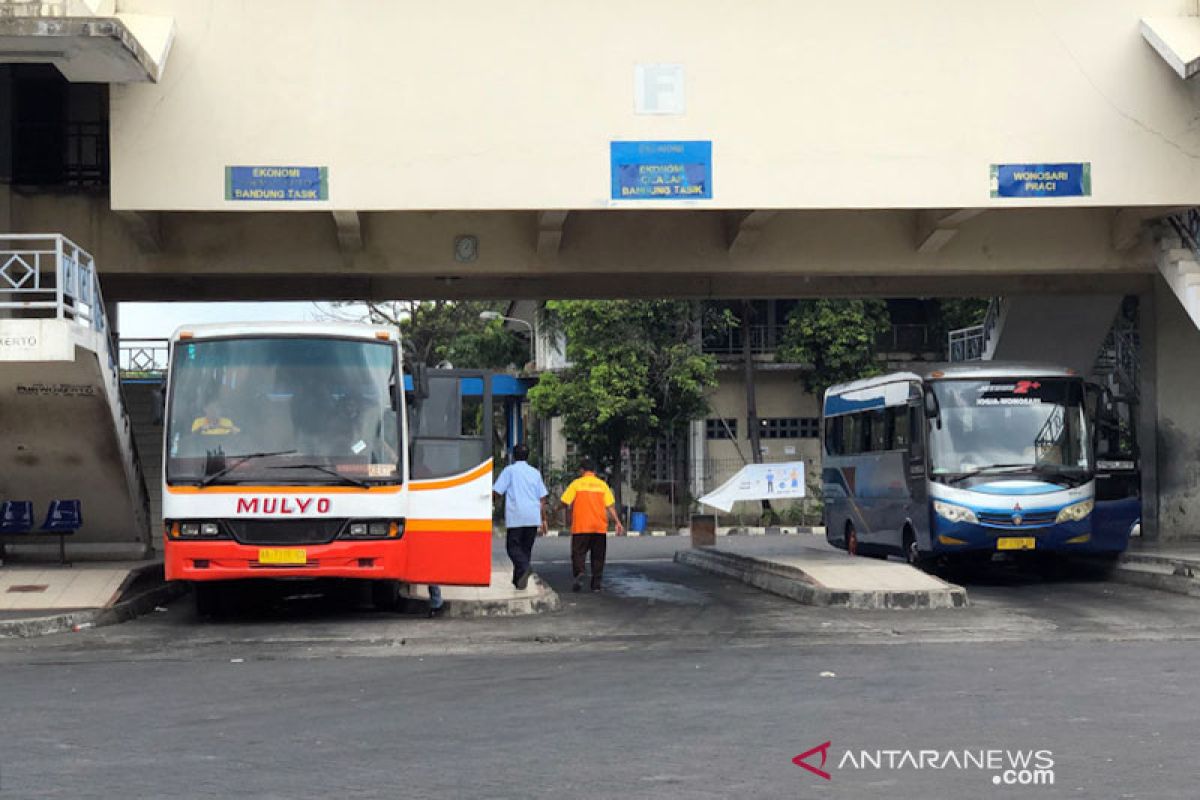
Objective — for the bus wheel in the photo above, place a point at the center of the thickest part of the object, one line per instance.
(851, 539)
(385, 595)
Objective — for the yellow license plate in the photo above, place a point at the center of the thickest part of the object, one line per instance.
(282, 555)
(1016, 543)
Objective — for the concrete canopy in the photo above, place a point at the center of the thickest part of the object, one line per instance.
(86, 49)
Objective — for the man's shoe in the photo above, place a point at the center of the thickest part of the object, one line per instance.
(434, 613)
(595, 587)
(577, 586)
(523, 581)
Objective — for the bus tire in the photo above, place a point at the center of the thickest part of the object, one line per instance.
(385, 595)
(912, 552)
(851, 539)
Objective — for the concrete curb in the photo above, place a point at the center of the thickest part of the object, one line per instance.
(795, 584)
(1166, 574)
(537, 598)
(121, 611)
(723, 531)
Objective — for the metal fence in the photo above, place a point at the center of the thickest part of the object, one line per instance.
(143, 358)
(763, 339)
(48, 276)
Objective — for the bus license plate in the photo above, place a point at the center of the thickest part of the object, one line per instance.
(1016, 543)
(282, 555)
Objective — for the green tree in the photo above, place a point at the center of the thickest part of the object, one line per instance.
(448, 331)
(836, 337)
(636, 374)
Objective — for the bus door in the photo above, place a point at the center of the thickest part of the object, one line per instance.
(450, 462)
(1118, 476)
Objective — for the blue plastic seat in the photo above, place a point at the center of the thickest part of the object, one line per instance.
(16, 516)
(63, 516)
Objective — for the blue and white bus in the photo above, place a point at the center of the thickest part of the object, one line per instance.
(974, 460)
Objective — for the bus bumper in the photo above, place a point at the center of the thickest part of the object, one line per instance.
(1068, 537)
(447, 557)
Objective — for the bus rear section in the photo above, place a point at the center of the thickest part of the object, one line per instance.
(287, 457)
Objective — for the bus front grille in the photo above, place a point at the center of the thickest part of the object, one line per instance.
(308, 531)
(1008, 519)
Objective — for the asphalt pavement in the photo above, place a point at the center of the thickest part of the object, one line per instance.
(672, 684)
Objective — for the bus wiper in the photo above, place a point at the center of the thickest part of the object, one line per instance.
(209, 479)
(992, 468)
(322, 468)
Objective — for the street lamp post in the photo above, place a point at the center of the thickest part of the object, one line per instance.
(491, 315)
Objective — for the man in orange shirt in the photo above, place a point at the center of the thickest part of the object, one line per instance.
(592, 504)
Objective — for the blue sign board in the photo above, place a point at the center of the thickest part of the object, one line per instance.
(277, 183)
(1041, 180)
(661, 170)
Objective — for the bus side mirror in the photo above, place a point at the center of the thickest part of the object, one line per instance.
(932, 409)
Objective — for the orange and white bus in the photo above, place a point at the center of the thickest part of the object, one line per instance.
(288, 455)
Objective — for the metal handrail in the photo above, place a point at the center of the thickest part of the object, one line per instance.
(970, 344)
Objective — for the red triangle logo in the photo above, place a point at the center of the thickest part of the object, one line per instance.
(823, 749)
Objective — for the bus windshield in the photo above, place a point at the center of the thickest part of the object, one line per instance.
(284, 410)
(1009, 425)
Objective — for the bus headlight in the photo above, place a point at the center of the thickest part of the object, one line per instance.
(210, 529)
(953, 513)
(1076, 511)
(189, 529)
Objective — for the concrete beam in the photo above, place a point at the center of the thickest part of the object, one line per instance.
(349, 231)
(935, 229)
(550, 233)
(145, 227)
(128, 287)
(1177, 40)
(744, 229)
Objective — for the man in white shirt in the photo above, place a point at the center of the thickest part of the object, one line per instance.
(524, 495)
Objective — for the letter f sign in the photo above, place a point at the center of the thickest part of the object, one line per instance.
(823, 749)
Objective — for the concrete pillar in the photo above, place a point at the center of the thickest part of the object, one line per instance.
(1147, 423)
(1172, 362)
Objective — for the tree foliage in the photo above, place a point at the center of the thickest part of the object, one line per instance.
(636, 374)
(836, 337)
(437, 332)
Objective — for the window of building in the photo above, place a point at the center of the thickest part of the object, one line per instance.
(789, 427)
(720, 428)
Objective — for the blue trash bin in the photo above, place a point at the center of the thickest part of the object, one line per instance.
(637, 521)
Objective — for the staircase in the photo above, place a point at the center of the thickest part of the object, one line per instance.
(65, 428)
(1178, 260)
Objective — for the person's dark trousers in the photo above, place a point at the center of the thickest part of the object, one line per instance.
(520, 549)
(581, 545)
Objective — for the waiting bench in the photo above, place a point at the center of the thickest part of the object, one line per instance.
(63, 518)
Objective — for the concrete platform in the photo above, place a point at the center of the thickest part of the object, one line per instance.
(1167, 566)
(813, 573)
(39, 600)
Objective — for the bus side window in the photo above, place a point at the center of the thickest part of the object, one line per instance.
(851, 434)
(916, 424)
(879, 439)
(833, 436)
(898, 419)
